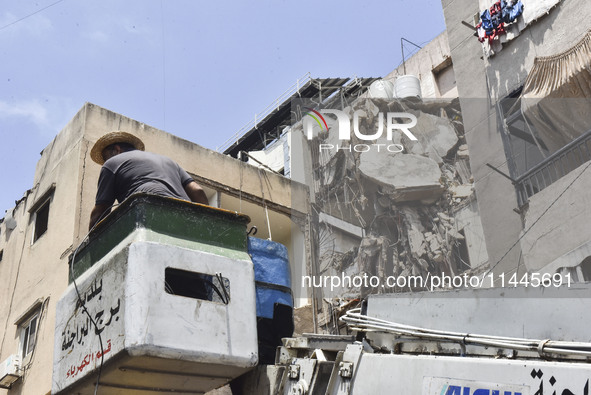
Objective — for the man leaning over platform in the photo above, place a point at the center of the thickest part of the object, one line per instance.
(128, 169)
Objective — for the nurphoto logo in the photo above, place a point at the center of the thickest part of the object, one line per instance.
(393, 120)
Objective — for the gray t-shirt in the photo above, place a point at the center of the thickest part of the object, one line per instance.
(138, 171)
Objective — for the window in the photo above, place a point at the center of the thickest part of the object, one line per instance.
(1, 255)
(197, 285)
(41, 220)
(29, 335)
(27, 326)
(40, 212)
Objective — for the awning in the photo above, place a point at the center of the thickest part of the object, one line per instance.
(556, 98)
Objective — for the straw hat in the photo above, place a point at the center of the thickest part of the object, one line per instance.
(96, 153)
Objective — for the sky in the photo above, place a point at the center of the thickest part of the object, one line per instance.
(199, 70)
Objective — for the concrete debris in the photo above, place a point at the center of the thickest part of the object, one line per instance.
(463, 169)
(461, 191)
(407, 177)
(463, 152)
(435, 242)
(454, 233)
(449, 173)
(406, 202)
(335, 169)
(445, 217)
(373, 257)
(303, 320)
(437, 137)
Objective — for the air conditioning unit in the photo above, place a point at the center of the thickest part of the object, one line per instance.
(10, 371)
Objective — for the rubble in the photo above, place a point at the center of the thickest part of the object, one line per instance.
(461, 191)
(407, 177)
(437, 137)
(463, 151)
(405, 202)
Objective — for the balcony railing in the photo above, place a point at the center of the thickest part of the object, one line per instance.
(553, 167)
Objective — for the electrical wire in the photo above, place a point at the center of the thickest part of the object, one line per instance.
(42, 313)
(27, 16)
(544, 347)
(265, 204)
(220, 278)
(18, 270)
(224, 297)
(538, 219)
(82, 301)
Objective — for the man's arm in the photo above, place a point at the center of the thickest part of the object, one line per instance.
(196, 193)
(97, 213)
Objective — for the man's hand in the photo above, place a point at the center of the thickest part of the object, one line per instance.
(97, 213)
(196, 193)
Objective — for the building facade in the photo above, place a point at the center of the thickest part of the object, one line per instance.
(524, 98)
(40, 233)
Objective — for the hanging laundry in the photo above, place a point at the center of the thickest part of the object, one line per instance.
(493, 20)
(511, 10)
(496, 14)
(486, 22)
(481, 34)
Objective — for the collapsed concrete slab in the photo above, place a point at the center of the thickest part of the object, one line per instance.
(436, 137)
(405, 177)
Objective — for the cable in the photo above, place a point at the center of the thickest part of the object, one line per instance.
(42, 311)
(18, 270)
(357, 321)
(226, 300)
(538, 219)
(240, 190)
(83, 302)
(265, 203)
(27, 16)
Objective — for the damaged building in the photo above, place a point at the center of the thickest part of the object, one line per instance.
(392, 209)
(386, 207)
(492, 176)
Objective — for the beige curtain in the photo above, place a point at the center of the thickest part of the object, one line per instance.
(556, 98)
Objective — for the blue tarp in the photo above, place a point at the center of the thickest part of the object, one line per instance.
(271, 269)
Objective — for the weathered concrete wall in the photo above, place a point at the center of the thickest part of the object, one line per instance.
(564, 227)
(496, 195)
(433, 67)
(215, 168)
(481, 83)
(563, 27)
(274, 155)
(39, 270)
(468, 220)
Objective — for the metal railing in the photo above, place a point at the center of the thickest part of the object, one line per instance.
(553, 167)
(301, 82)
